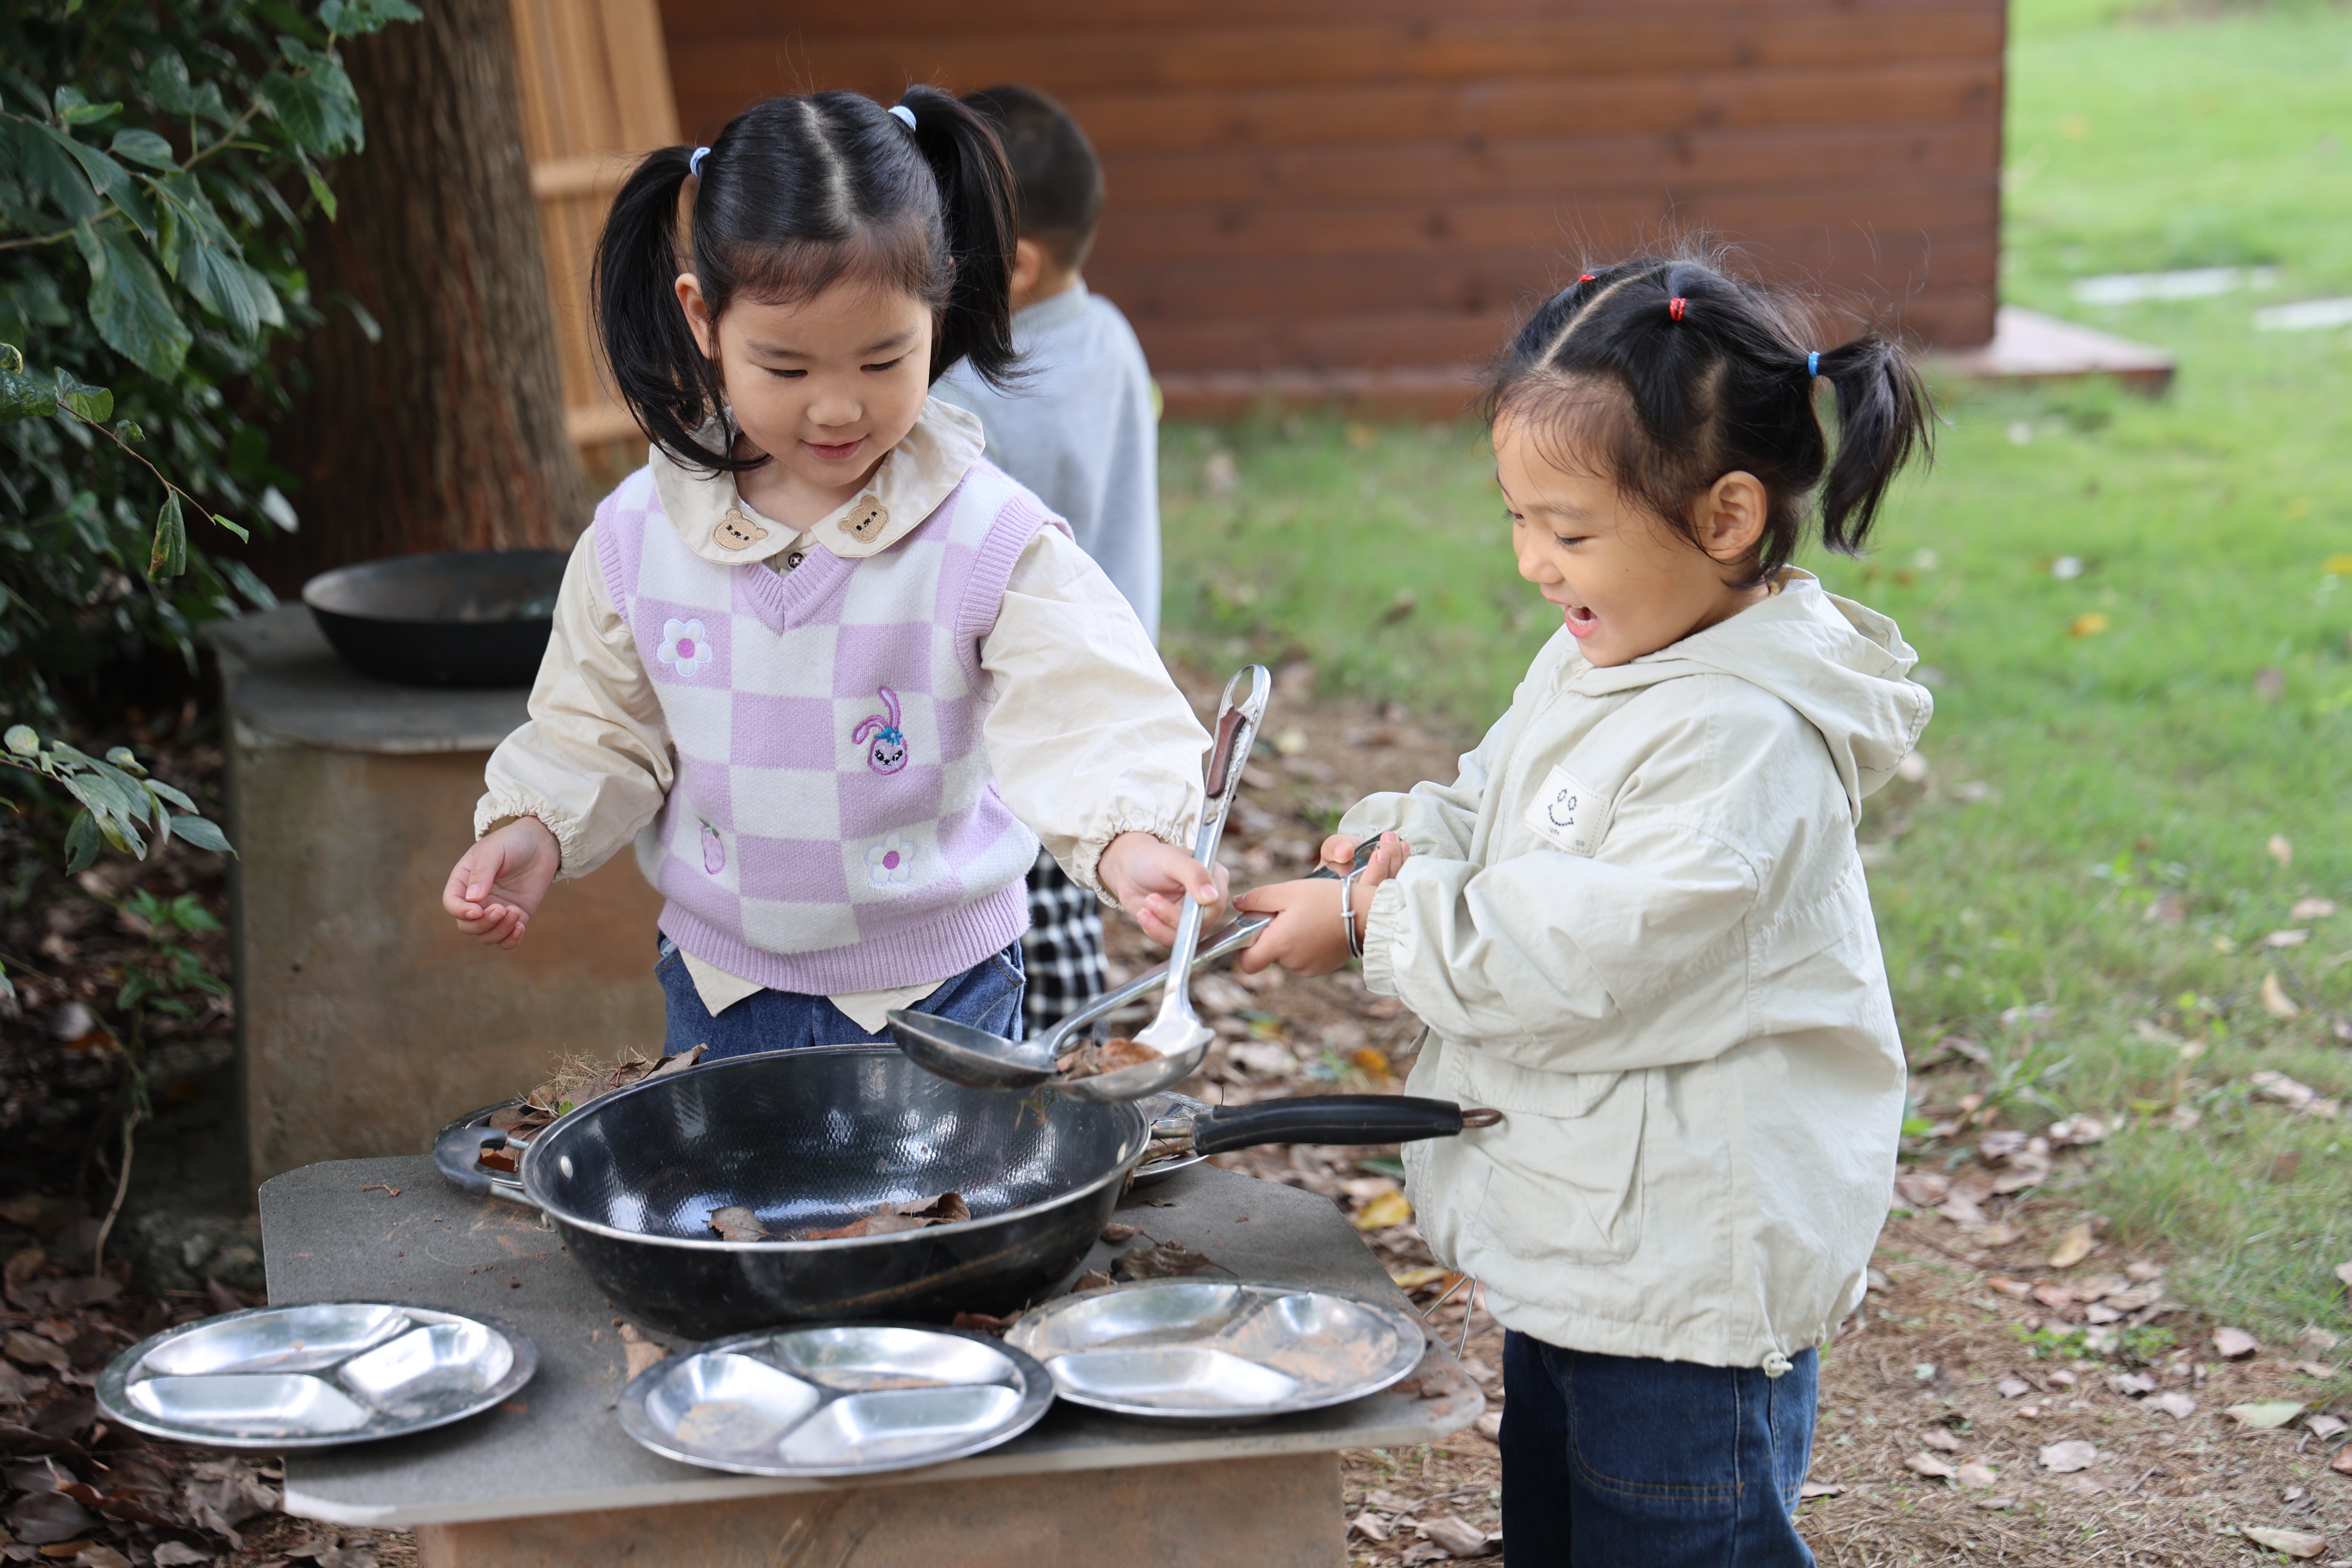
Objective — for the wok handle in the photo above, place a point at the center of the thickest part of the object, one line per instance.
(457, 1156)
(1333, 1119)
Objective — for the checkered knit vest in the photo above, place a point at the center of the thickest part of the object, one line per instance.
(833, 826)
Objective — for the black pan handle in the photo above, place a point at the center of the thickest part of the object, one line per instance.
(458, 1154)
(1333, 1119)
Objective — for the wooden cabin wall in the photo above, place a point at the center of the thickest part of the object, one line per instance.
(1360, 193)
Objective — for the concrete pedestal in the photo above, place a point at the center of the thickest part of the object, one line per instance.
(364, 1020)
(550, 1479)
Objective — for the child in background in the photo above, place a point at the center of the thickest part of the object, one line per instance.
(1637, 922)
(832, 670)
(1079, 427)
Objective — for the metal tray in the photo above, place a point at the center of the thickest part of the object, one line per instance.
(315, 1375)
(851, 1399)
(1166, 1105)
(1202, 1349)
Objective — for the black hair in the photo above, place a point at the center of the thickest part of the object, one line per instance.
(1053, 166)
(1674, 372)
(795, 193)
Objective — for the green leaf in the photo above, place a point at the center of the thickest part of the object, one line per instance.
(26, 396)
(238, 529)
(167, 82)
(169, 556)
(231, 290)
(171, 796)
(128, 303)
(317, 108)
(95, 404)
(81, 843)
(319, 191)
(143, 147)
(73, 109)
(353, 17)
(44, 164)
(22, 739)
(129, 430)
(124, 758)
(201, 833)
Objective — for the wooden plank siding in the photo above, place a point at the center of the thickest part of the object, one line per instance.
(1347, 192)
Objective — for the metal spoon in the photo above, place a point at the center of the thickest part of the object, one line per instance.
(1178, 1033)
(981, 1059)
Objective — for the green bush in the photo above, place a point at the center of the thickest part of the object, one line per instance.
(157, 166)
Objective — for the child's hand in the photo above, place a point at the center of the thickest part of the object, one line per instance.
(497, 886)
(1149, 880)
(1305, 935)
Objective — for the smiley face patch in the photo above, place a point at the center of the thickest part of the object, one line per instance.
(1567, 815)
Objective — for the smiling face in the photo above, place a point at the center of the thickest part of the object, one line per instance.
(824, 387)
(1625, 582)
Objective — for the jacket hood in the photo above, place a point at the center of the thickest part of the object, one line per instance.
(1843, 666)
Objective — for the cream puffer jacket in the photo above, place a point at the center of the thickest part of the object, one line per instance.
(1637, 924)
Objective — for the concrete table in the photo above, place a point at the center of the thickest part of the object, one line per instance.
(550, 1479)
(364, 1020)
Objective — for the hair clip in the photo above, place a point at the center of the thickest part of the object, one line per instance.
(694, 165)
(1675, 307)
(903, 115)
(1813, 363)
(1587, 278)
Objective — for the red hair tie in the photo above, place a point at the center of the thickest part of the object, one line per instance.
(1676, 307)
(1585, 278)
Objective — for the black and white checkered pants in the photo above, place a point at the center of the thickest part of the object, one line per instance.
(1063, 950)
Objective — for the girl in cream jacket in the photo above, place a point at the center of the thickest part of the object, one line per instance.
(1637, 922)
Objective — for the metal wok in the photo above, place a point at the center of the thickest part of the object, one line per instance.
(813, 1139)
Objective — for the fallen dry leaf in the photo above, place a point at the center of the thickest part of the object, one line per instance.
(1459, 1538)
(641, 1352)
(2072, 1247)
(2318, 1369)
(2282, 849)
(2342, 1463)
(1371, 1527)
(1386, 1210)
(2325, 1426)
(2276, 1001)
(1922, 1189)
(1820, 1488)
(1117, 1234)
(1164, 1260)
(2299, 1098)
(2014, 1387)
(2089, 624)
(31, 1349)
(1092, 1279)
(2174, 1404)
(736, 1223)
(1930, 1465)
(2265, 1414)
(1939, 1438)
(2294, 1542)
(2343, 1272)
(984, 1322)
(2074, 1454)
(2294, 937)
(2312, 909)
(2234, 1344)
(1976, 1475)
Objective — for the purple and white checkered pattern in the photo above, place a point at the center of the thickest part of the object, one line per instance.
(788, 855)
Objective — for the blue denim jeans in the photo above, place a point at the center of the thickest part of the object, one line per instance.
(1610, 1460)
(987, 997)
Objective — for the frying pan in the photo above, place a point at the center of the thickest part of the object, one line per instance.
(813, 1138)
(461, 618)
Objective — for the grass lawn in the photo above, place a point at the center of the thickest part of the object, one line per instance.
(2138, 733)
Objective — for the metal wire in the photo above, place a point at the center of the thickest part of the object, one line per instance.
(1459, 1281)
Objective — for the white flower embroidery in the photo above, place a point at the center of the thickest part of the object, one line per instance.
(684, 647)
(890, 862)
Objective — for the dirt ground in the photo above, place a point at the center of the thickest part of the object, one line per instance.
(2000, 1329)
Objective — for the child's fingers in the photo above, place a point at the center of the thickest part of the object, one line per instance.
(1339, 852)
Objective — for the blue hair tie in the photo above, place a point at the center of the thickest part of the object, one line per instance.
(903, 115)
(694, 165)
(1813, 363)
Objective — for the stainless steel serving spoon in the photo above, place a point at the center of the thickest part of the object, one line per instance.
(981, 1059)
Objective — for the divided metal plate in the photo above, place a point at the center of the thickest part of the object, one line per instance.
(1214, 1351)
(315, 1375)
(849, 1400)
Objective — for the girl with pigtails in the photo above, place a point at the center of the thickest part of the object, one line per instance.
(831, 672)
(1637, 923)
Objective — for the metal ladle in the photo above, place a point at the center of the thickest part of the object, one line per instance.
(985, 1060)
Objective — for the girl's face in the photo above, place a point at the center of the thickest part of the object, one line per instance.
(1624, 583)
(825, 386)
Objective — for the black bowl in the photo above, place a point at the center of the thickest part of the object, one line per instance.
(463, 617)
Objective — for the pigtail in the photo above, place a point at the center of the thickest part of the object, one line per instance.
(976, 206)
(664, 379)
(1883, 416)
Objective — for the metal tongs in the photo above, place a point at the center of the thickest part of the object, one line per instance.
(985, 1060)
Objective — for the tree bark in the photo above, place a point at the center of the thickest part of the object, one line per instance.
(446, 432)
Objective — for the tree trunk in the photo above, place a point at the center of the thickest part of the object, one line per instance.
(446, 433)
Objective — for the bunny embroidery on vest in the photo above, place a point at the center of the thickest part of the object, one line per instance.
(886, 744)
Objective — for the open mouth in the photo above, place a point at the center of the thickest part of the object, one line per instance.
(838, 453)
(1582, 621)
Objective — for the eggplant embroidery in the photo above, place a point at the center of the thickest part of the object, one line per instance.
(885, 742)
(714, 850)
